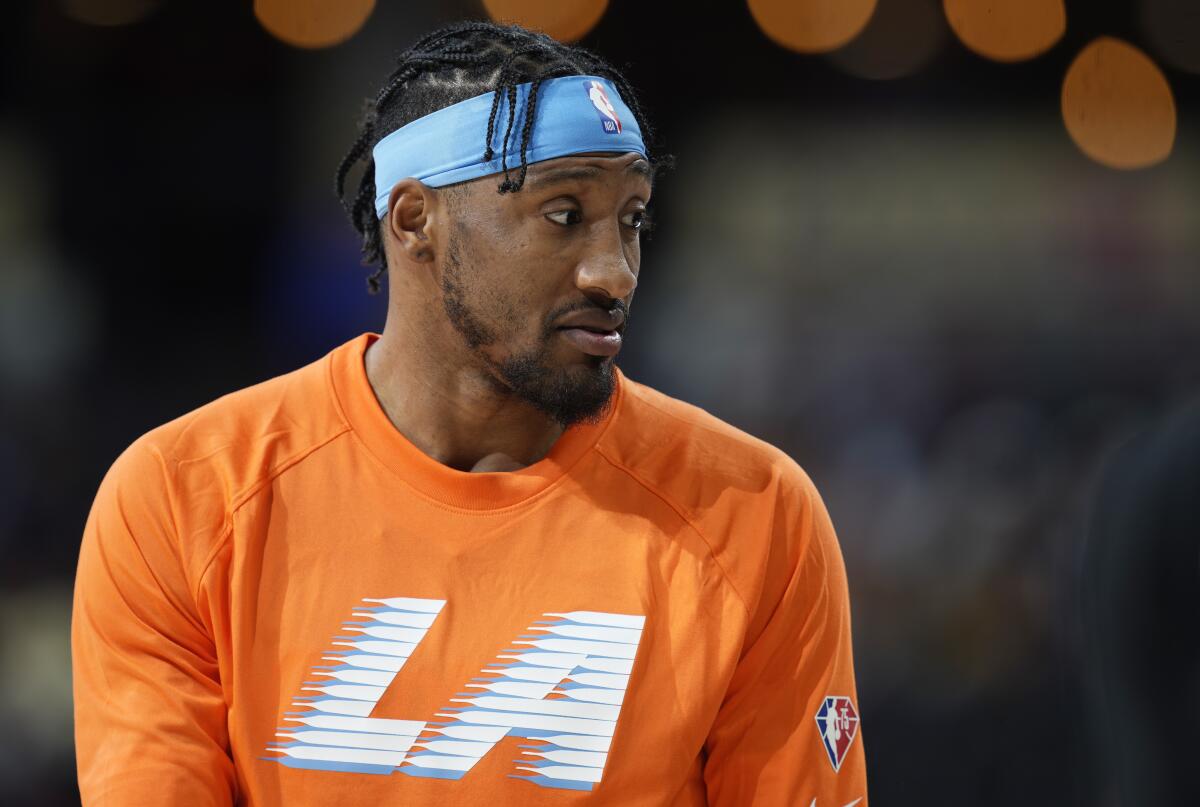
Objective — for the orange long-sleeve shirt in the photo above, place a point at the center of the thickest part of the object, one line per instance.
(281, 601)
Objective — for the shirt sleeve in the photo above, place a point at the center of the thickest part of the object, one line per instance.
(150, 716)
(788, 731)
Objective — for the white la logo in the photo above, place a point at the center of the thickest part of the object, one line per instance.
(584, 658)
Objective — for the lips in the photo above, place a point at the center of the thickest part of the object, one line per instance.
(595, 332)
(593, 342)
(596, 320)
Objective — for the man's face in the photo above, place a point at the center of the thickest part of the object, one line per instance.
(519, 269)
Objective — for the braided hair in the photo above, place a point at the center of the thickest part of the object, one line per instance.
(453, 64)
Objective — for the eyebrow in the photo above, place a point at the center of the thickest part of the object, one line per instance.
(582, 172)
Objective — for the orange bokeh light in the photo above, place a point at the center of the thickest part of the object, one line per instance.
(811, 26)
(1007, 30)
(1117, 105)
(563, 20)
(313, 23)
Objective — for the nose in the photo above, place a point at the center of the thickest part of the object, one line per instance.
(606, 269)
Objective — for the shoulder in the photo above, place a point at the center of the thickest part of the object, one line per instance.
(189, 475)
(251, 432)
(752, 503)
(697, 457)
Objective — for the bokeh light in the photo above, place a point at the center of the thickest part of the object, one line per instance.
(313, 23)
(811, 26)
(1173, 28)
(1117, 105)
(1007, 30)
(565, 21)
(108, 13)
(900, 39)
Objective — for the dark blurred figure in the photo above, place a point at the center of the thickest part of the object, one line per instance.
(1141, 598)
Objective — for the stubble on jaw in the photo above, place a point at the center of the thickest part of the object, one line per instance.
(580, 394)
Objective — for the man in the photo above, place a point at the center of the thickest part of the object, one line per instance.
(468, 561)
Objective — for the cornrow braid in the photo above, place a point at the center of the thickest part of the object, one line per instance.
(450, 65)
(527, 131)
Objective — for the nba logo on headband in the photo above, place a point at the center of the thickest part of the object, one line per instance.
(608, 113)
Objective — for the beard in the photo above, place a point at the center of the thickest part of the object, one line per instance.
(568, 395)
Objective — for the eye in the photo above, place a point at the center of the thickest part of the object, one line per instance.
(565, 217)
(637, 219)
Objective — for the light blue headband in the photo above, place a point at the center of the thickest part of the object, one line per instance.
(572, 115)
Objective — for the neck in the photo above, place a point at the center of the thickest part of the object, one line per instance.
(454, 412)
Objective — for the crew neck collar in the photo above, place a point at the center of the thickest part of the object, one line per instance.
(462, 489)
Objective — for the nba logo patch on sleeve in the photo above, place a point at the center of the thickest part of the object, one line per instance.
(599, 99)
(837, 722)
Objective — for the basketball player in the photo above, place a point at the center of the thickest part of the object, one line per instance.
(468, 561)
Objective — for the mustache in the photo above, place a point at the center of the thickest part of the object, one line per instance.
(614, 305)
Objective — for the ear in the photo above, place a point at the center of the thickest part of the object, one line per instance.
(412, 219)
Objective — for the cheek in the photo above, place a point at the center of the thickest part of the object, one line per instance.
(633, 255)
(511, 293)
(518, 275)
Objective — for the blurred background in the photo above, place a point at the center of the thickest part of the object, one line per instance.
(945, 254)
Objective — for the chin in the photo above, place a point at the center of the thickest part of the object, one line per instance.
(569, 394)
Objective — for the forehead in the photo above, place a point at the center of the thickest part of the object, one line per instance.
(590, 165)
(629, 168)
